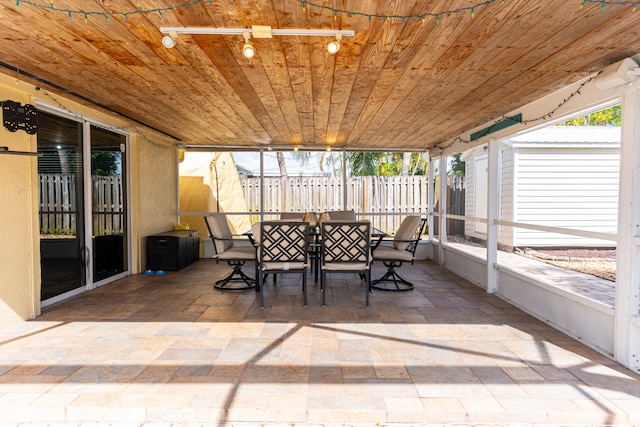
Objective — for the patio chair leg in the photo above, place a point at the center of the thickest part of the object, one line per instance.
(304, 287)
(367, 287)
(236, 276)
(323, 291)
(392, 276)
(261, 280)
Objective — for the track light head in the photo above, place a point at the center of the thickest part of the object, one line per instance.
(334, 45)
(169, 41)
(248, 50)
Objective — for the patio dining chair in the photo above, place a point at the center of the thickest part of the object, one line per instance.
(314, 245)
(345, 248)
(282, 248)
(403, 249)
(349, 215)
(226, 250)
(291, 215)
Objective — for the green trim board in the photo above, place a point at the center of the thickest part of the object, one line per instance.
(499, 125)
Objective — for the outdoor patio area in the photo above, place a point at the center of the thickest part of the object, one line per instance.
(173, 350)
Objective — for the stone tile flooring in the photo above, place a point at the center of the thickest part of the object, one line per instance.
(171, 350)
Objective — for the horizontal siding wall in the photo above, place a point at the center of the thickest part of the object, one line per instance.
(505, 234)
(566, 187)
(470, 202)
(506, 194)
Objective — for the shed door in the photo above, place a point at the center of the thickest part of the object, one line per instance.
(480, 193)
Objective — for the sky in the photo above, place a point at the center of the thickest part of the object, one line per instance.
(251, 161)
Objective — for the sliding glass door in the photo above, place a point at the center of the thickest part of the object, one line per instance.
(82, 206)
(61, 206)
(108, 203)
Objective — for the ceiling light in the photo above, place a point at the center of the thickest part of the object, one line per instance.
(334, 45)
(170, 40)
(247, 50)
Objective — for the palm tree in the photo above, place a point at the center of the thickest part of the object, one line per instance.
(406, 164)
(386, 164)
(281, 164)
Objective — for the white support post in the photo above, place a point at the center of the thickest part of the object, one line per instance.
(493, 206)
(442, 169)
(627, 332)
(261, 194)
(344, 180)
(430, 206)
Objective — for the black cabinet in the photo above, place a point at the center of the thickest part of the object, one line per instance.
(172, 250)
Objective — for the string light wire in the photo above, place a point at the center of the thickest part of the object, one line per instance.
(545, 116)
(107, 15)
(305, 4)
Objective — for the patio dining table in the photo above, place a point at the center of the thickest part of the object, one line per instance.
(314, 247)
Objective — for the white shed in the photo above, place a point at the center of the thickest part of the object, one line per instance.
(559, 176)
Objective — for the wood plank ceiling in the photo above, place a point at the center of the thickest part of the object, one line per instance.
(397, 84)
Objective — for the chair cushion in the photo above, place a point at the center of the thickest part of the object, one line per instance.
(345, 266)
(239, 252)
(283, 266)
(384, 252)
(406, 232)
(220, 230)
(342, 215)
(255, 231)
(291, 215)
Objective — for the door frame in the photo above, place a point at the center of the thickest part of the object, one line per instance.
(87, 122)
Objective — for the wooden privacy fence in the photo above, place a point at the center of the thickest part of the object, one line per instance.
(388, 198)
(58, 207)
(456, 187)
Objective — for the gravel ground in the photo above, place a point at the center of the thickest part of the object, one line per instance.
(597, 262)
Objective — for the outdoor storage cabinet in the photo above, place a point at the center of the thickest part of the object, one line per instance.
(172, 250)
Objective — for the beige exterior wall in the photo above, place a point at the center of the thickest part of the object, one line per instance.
(19, 241)
(153, 189)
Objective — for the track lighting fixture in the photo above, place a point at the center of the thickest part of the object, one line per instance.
(256, 32)
(334, 45)
(247, 50)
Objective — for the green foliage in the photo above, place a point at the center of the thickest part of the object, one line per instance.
(384, 163)
(456, 166)
(608, 117)
(105, 163)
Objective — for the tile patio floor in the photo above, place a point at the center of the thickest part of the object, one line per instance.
(163, 350)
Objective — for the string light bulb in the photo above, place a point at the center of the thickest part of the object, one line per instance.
(248, 50)
(334, 45)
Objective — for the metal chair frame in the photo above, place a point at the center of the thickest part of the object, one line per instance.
(282, 248)
(391, 275)
(343, 245)
(237, 276)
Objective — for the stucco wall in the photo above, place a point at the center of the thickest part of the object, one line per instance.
(20, 282)
(156, 191)
(152, 181)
